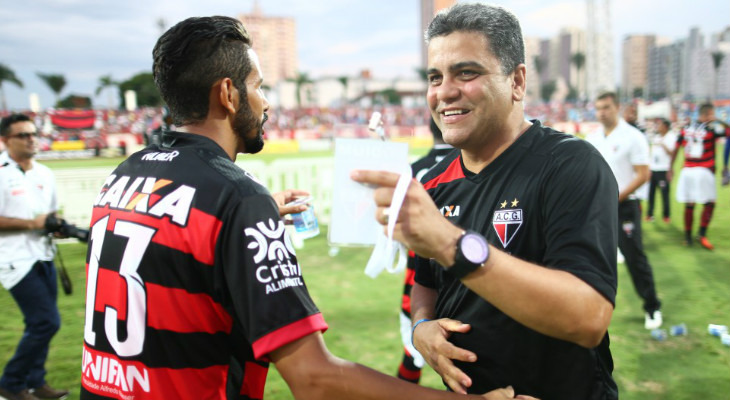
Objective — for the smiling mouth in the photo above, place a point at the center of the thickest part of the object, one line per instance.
(449, 113)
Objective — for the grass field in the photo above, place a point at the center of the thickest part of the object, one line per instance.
(693, 283)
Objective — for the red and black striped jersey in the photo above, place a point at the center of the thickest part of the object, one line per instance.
(699, 141)
(549, 199)
(191, 279)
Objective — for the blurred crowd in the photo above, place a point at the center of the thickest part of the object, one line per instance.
(327, 123)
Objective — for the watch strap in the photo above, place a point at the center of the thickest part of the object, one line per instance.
(462, 266)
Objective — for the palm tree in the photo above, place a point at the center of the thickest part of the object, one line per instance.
(301, 80)
(344, 80)
(105, 82)
(54, 81)
(717, 57)
(161, 24)
(578, 59)
(7, 75)
(539, 64)
(539, 67)
(547, 90)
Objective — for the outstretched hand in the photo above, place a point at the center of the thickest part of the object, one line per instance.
(420, 225)
(287, 196)
(431, 340)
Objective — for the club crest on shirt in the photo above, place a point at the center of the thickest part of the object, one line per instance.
(507, 221)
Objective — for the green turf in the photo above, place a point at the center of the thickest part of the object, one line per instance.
(693, 283)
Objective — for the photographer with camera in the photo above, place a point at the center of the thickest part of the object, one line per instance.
(27, 271)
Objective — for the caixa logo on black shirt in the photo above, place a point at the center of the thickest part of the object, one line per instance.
(275, 258)
(507, 222)
(450, 211)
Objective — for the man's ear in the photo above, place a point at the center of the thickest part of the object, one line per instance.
(228, 95)
(519, 80)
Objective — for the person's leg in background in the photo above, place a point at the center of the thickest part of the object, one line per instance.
(642, 276)
(705, 223)
(653, 182)
(664, 189)
(36, 296)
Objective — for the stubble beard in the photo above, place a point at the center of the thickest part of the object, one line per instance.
(246, 122)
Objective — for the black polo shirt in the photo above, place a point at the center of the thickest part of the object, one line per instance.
(549, 199)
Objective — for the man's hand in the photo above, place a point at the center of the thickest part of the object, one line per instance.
(506, 393)
(725, 176)
(420, 225)
(670, 175)
(287, 196)
(430, 339)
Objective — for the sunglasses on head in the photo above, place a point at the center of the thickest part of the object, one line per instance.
(24, 135)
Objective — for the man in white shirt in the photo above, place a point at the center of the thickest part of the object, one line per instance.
(627, 153)
(663, 143)
(27, 196)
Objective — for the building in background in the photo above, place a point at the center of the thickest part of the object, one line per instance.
(559, 64)
(362, 90)
(599, 48)
(429, 8)
(275, 42)
(685, 69)
(664, 72)
(532, 58)
(635, 64)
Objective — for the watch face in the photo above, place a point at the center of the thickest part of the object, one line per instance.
(474, 248)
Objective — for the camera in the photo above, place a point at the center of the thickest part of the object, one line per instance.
(60, 226)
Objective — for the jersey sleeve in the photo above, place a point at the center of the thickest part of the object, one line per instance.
(720, 129)
(671, 142)
(680, 138)
(425, 273)
(581, 220)
(264, 279)
(639, 150)
(3, 190)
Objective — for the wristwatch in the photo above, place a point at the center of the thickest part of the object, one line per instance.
(472, 251)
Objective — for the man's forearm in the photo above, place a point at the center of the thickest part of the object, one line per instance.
(631, 188)
(553, 302)
(18, 224)
(641, 176)
(313, 373)
(423, 303)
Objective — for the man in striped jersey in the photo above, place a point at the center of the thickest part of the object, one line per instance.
(697, 178)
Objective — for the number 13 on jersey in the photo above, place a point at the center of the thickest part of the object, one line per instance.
(139, 237)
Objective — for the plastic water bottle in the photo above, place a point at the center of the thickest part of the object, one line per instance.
(725, 339)
(678, 330)
(659, 334)
(716, 330)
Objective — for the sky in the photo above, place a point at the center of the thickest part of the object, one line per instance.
(86, 39)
